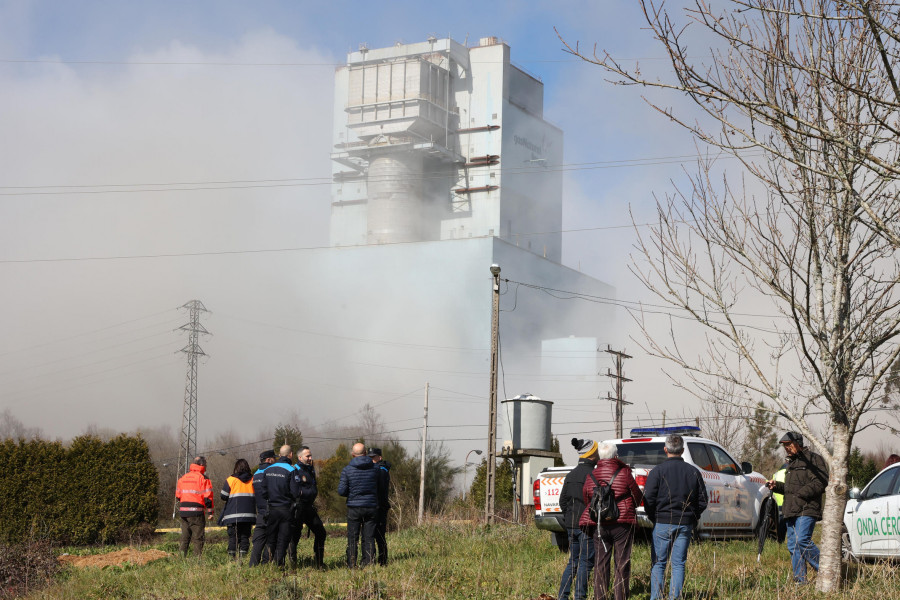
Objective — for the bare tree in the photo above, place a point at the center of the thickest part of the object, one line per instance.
(809, 87)
(721, 417)
(11, 428)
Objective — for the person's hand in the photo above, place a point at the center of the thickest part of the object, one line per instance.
(770, 484)
(209, 517)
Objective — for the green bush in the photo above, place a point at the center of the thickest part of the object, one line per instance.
(88, 492)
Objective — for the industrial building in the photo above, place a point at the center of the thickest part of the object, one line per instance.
(443, 164)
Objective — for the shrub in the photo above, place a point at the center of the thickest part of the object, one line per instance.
(90, 492)
(25, 566)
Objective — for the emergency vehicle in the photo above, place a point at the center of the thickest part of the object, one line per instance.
(872, 518)
(737, 495)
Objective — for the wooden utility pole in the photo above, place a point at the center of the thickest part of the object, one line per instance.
(492, 417)
(620, 379)
(422, 465)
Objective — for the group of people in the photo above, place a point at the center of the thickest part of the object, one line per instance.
(272, 505)
(674, 498)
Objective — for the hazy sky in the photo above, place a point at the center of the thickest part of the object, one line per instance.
(156, 152)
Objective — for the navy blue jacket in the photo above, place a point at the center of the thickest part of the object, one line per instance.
(279, 488)
(305, 477)
(383, 469)
(262, 509)
(675, 493)
(360, 483)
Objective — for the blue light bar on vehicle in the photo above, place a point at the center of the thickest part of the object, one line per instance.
(664, 431)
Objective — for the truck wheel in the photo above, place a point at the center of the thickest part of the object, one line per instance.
(562, 541)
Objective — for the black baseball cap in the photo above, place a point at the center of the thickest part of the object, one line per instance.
(266, 454)
(791, 436)
(374, 452)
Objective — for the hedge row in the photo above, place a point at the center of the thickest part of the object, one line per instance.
(89, 492)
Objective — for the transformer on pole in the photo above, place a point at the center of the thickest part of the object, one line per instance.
(189, 415)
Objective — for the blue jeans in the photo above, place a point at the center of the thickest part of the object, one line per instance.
(669, 541)
(581, 561)
(801, 546)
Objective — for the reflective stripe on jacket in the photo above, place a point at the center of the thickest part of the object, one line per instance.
(194, 492)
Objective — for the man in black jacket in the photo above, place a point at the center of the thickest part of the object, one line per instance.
(674, 499)
(804, 483)
(571, 504)
(305, 512)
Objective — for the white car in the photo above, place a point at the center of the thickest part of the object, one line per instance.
(872, 518)
(737, 496)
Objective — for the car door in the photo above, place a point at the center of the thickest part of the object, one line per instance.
(872, 525)
(738, 509)
(892, 518)
(713, 517)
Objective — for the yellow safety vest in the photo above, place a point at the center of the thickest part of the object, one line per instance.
(779, 476)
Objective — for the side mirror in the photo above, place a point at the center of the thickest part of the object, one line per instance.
(746, 467)
(853, 494)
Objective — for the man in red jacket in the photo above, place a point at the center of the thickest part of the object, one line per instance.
(194, 492)
(614, 536)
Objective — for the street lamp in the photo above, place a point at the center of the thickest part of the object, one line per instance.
(465, 465)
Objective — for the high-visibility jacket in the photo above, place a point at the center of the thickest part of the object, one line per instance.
(240, 505)
(194, 492)
(779, 476)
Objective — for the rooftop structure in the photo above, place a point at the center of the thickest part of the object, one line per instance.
(437, 141)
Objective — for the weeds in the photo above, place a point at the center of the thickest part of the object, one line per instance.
(25, 566)
(449, 561)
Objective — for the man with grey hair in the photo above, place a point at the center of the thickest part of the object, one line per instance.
(674, 499)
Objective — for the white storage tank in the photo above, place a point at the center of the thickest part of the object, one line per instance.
(528, 422)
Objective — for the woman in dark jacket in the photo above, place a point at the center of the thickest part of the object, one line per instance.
(239, 513)
(612, 537)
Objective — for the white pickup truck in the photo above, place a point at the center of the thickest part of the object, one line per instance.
(737, 495)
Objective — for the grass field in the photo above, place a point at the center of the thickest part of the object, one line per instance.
(445, 561)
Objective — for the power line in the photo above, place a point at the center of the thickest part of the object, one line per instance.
(48, 190)
(328, 64)
(84, 333)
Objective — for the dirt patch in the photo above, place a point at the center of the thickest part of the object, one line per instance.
(117, 558)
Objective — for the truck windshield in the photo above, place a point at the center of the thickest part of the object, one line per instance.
(641, 454)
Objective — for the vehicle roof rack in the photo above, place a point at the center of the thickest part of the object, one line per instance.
(682, 430)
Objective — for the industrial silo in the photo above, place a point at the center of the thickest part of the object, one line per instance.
(395, 198)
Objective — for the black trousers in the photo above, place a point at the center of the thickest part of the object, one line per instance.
(309, 516)
(239, 538)
(361, 520)
(278, 532)
(381, 536)
(260, 554)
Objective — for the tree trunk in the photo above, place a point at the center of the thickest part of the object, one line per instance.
(829, 578)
